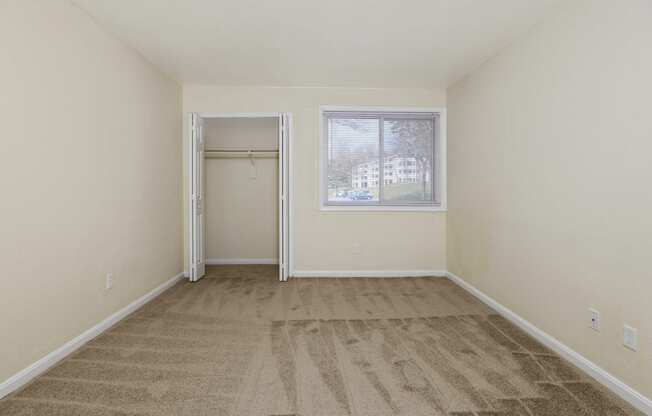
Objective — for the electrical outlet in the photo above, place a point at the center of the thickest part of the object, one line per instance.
(109, 281)
(595, 320)
(630, 337)
(355, 249)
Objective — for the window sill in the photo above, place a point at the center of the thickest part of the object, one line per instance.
(407, 208)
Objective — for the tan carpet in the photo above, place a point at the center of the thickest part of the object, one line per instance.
(240, 343)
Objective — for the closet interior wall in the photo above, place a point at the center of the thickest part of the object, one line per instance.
(241, 193)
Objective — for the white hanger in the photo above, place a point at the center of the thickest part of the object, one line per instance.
(252, 169)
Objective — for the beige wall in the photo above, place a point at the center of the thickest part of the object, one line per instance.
(550, 149)
(325, 240)
(241, 133)
(90, 171)
(241, 210)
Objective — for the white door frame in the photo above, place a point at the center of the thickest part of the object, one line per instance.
(290, 174)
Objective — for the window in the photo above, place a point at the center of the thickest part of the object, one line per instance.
(402, 149)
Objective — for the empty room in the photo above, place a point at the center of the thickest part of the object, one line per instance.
(341, 208)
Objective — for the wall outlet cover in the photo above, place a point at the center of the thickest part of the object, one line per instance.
(630, 337)
(109, 281)
(595, 319)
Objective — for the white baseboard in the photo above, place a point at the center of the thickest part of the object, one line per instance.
(369, 273)
(632, 396)
(214, 262)
(24, 376)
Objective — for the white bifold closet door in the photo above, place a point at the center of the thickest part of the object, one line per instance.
(284, 194)
(197, 221)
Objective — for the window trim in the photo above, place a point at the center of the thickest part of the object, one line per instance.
(439, 148)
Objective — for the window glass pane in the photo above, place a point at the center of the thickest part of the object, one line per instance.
(353, 154)
(408, 160)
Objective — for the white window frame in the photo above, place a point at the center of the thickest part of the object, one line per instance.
(439, 162)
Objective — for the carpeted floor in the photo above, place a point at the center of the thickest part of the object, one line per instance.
(240, 343)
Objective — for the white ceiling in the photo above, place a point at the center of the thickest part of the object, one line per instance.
(352, 43)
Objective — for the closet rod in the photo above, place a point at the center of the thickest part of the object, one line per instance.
(242, 150)
(240, 153)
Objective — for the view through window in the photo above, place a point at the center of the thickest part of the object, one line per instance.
(381, 158)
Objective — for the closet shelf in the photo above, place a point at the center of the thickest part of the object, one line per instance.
(240, 153)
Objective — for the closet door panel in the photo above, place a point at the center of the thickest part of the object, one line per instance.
(197, 225)
(283, 174)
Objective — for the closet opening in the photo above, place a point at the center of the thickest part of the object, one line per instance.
(239, 199)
